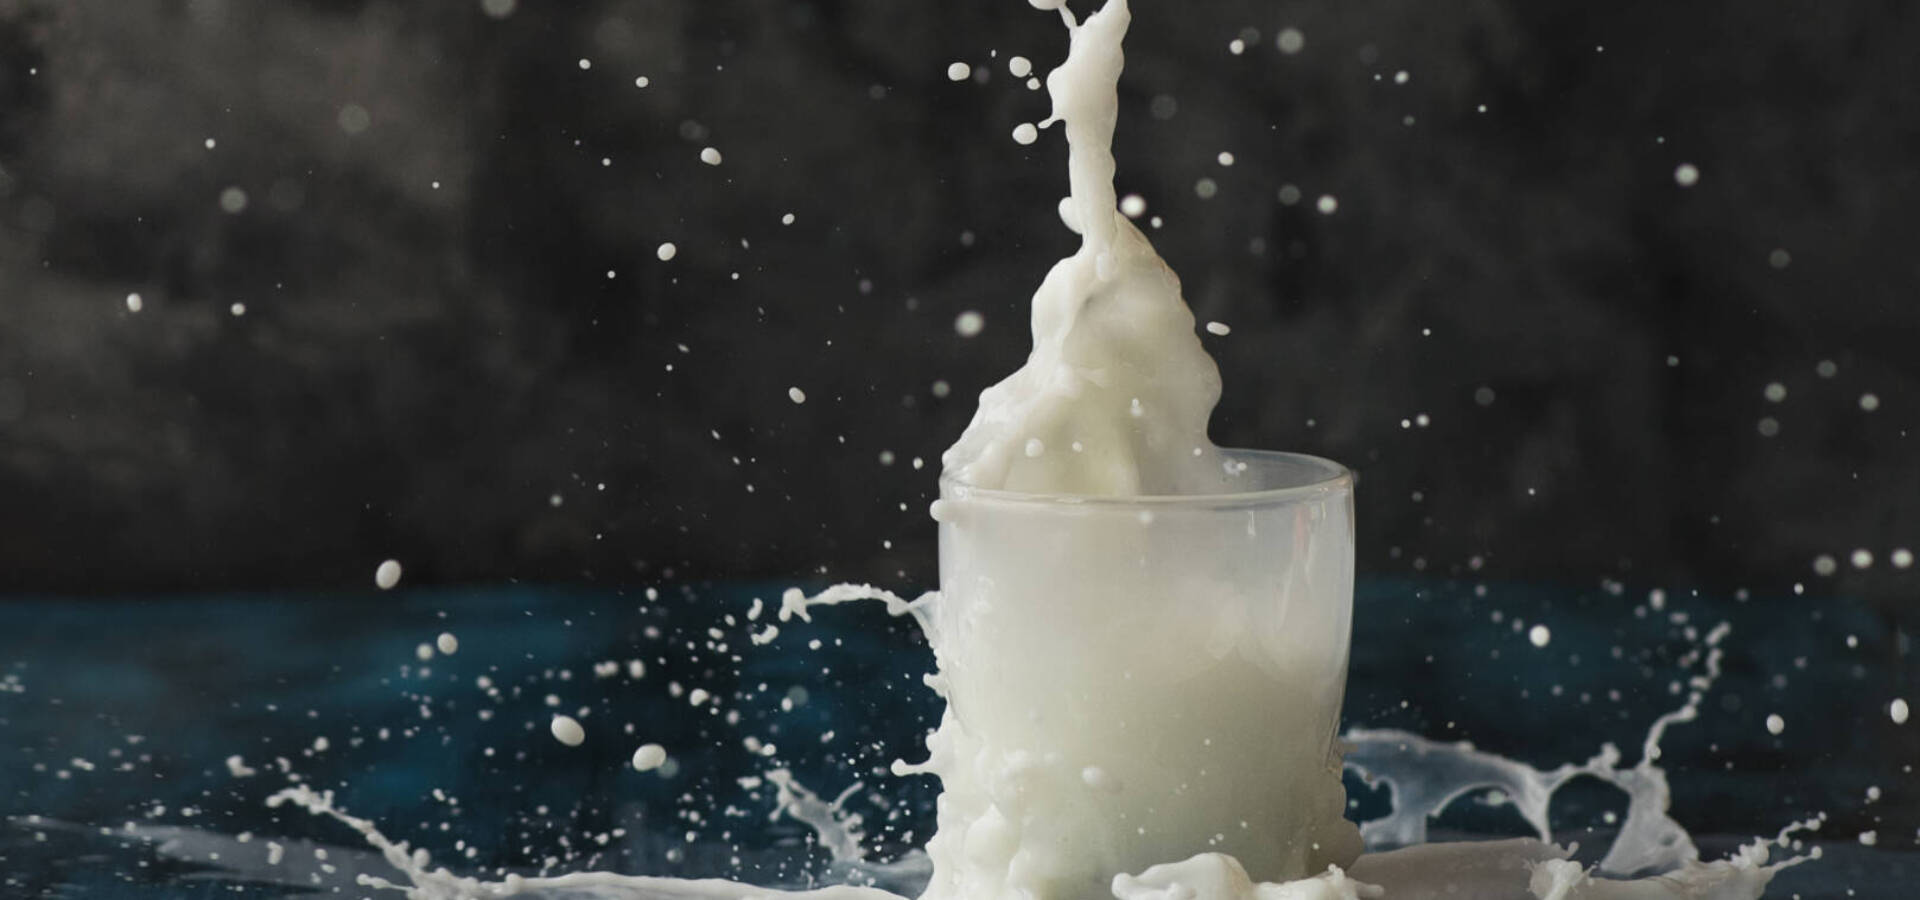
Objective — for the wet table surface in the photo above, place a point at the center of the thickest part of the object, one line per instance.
(179, 715)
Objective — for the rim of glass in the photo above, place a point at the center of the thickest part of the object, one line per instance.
(1330, 477)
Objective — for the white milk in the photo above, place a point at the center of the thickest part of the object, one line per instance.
(1115, 397)
(1130, 680)
(1133, 681)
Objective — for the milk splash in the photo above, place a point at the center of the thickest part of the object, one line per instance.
(1114, 402)
(1115, 396)
(1423, 776)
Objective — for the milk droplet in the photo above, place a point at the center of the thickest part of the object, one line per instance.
(1540, 635)
(787, 219)
(1775, 392)
(1869, 402)
(1025, 133)
(1290, 41)
(1775, 724)
(1327, 204)
(1686, 175)
(1220, 328)
(238, 309)
(233, 200)
(710, 156)
(447, 643)
(1020, 66)
(1133, 206)
(649, 757)
(959, 72)
(642, 81)
(1898, 711)
(796, 395)
(1824, 565)
(666, 251)
(134, 303)
(387, 575)
(1035, 448)
(1861, 559)
(969, 323)
(567, 730)
(1225, 158)
(1901, 558)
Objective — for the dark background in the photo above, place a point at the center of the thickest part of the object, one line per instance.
(432, 349)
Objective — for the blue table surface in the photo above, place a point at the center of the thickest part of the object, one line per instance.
(126, 709)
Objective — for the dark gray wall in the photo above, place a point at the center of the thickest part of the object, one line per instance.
(421, 368)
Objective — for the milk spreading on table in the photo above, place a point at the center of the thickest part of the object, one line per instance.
(1107, 777)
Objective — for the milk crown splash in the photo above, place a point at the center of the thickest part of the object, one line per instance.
(1114, 397)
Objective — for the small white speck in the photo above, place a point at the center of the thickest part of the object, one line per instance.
(787, 219)
(233, 200)
(666, 251)
(1020, 66)
(1775, 724)
(1686, 175)
(238, 309)
(1025, 133)
(1225, 158)
(1328, 203)
(1290, 41)
(1219, 328)
(134, 303)
(969, 323)
(642, 81)
(959, 72)
(447, 644)
(1869, 402)
(1898, 711)
(649, 757)
(710, 156)
(796, 395)
(1824, 565)
(567, 730)
(211, 143)
(1401, 77)
(1133, 206)
(1861, 559)
(1901, 558)
(585, 64)
(1775, 392)
(1539, 635)
(1236, 46)
(387, 575)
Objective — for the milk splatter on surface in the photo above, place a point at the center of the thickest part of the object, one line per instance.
(519, 800)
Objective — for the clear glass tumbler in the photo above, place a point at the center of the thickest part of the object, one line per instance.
(1135, 680)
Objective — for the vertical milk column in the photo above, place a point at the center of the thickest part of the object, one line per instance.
(1134, 680)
